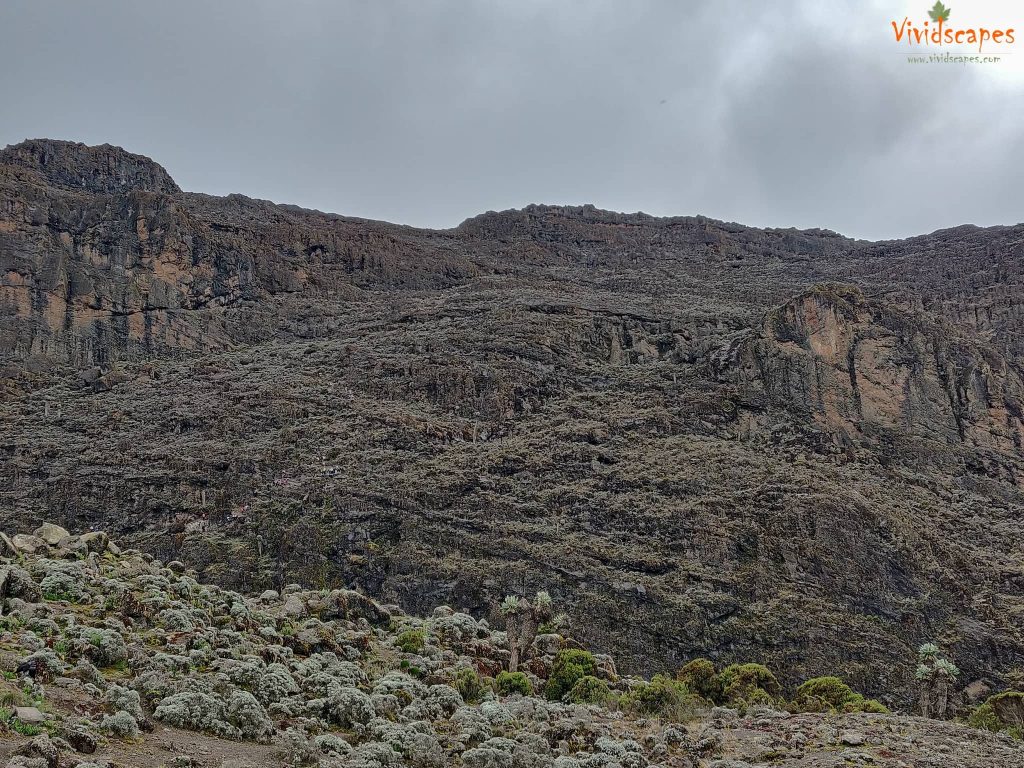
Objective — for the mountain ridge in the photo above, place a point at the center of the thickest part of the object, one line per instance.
(14, 154)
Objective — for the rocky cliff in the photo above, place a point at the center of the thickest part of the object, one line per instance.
(773, 444)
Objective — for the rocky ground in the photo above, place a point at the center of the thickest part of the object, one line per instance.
(112, 658)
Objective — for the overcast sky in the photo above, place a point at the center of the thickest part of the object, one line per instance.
(420, 112)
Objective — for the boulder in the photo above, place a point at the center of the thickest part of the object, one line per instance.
(51, 534)
(41, 747)
(95, 541)
(1009, 708)
(80, 740)
(977, 690)
(294, 607)
(350, 605)
(7, 548)
(72, 548)
(29, 715)
(548, 645)
(27, 543)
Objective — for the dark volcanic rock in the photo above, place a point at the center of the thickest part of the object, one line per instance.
(773, 445)
(104, 169)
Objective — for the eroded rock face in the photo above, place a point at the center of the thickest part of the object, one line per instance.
(863, 370)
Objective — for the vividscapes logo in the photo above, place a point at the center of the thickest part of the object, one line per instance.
(941, 32)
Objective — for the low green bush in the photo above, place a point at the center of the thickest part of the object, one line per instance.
(701, 678)
(513, 682)
(749, 684)
(589, 690)
(412, 640)
(1001, 712)
(470, 685)
(984, 717)
(570, 665)
(665, 698)
(831, 694)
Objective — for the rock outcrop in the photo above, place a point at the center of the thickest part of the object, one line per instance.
(866, 371)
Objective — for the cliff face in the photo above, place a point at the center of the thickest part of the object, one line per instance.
(759, 444)
(102, 258)
(98, 257)
(865, 371)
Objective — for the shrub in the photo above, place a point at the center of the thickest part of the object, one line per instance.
(454, 629)
(570, 665)
(195, 711)
(175, 620)
(47, 662)
(822, 694)
(329, 744)
(122, 699)
(412, 640)
(860, 704)
(700, 677)
(514, 682)
(662, 697)
(469, 685)
(246, 714)
(830, 694)
(348, 707)
(120, 724)
(106, 648)
(757, 697)
(984, 717)
(276, 684)
(486, 757)
(745, 683)
(443, 700)
(589, 690)
(60, 585)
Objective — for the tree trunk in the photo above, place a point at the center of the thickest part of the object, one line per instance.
(941, 697)
(514, 630)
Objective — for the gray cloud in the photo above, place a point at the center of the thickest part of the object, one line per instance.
(425, 111)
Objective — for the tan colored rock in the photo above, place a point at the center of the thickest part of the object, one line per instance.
(28, 543)
(52, 534)
(95, 541)
(977, 690)
(29, 715)
(294, 607)
(851, 738)
(7, 548)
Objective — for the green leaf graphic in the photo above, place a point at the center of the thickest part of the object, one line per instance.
(939, 12)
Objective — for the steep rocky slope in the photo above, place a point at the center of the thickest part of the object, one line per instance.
(777, 445)
(111, 658)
